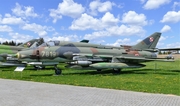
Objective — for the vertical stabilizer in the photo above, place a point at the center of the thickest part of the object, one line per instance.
(33, 42)
(149, 42)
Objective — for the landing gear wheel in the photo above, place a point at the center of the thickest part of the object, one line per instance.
(117, 71)
(98, 70)
(57, 71)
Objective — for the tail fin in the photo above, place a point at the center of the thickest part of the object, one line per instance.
(149, 42)
(31, 42)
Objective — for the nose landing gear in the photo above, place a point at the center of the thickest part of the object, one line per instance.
(58, 71)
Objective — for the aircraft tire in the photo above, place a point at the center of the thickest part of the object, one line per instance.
(58, 71)
(117, 71)
(98, 70)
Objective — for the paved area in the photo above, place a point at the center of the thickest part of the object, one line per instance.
(23, 93)
(176, 56)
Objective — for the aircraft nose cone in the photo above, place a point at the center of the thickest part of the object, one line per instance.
(21, 55)
(18, 55)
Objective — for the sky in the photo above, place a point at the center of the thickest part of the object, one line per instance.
(113, 22)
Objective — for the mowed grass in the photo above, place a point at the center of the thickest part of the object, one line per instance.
(164, 79)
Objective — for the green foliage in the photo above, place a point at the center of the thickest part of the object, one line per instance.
(11, 43)
(156, 77)
(19, 44)
(159, 52)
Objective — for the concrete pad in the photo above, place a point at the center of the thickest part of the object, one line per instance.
(24, 93)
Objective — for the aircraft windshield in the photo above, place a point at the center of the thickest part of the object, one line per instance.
(43, 45)
(50, 43)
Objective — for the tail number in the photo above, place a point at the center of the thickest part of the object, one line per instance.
(48, 54)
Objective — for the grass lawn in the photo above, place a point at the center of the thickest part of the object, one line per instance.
(164, 79)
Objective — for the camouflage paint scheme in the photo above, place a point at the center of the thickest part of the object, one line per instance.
(114, 58)
(77, 44)
(14, 49)
(68, 53)
(7, 52)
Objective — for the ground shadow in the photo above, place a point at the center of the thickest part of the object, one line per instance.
(106, 72)
(35, 69)
(175, 70)
(103, 72)
(41, 75)
(135, 71)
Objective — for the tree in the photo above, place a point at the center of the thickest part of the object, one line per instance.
(159, 52)
(5, 43)
(19, 44)
(12, 43)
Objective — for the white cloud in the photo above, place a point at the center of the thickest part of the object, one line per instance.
(55, 15)
(96, 35)
(133, 18)
(121, 5)
(88, 22)
(125, 41)
(5, 28)
(153, 4)
(4, 40)
(85, 22)
(171, 17)
(24, 11)
(50, 28)
(166, 28)
(176, 4)
(143, 1)
(173, 45)
(20, 37)
(8, 19)
(124, 30)
(67, 8)
(100, 6)
(63, 38)
(162, 38)
(150, 22)
(117, 31)
(109, 19)
(40, 30)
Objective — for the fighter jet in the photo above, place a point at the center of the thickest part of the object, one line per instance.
(5, 49)
(7, 52)
(92, 57)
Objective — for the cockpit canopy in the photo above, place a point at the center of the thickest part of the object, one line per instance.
(50, 43)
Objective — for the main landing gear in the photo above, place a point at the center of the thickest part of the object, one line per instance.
(117, 71)
(58, 71)
(98, 70)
